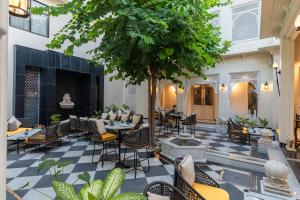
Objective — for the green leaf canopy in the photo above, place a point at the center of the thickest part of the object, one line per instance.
(140, 38)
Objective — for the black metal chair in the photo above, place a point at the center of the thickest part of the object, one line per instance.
(166, 122)
(191, 122)
(200, 177)
(138, 139)
(164, 189)
(106, 140)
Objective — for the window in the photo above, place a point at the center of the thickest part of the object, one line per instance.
(38, 24)
(245, 24)
(216, 21)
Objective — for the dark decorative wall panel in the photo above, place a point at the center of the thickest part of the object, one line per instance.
(49, 63)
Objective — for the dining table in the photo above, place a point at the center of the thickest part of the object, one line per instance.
(120, 128)
(177, 117)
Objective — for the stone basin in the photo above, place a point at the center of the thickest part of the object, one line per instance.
(174, 147)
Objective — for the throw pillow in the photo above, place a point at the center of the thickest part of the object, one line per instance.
(163, 114)
(187, 170)
(100, 126)
(152, 196)
(13, 118)
(111, 112)
(113, 117)
(104, 115)
(12, 126)
(125, 117)
(136, 119)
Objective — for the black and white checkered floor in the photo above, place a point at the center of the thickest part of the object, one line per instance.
(22, 168)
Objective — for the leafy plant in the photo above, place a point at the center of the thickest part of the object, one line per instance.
(242, 119)
(144, 40)
(263, 122)
(112, 107)
(97, 114)
(92, 190)
(125, 106)
(55, 117)
(252, 123)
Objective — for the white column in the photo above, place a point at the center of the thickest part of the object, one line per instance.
(3, 93)
(286, 100)
(275, 96)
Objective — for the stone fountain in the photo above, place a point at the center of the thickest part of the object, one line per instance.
(182, 145)
(66, 103)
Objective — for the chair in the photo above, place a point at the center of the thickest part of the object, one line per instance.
(164, 189)
(191, 122)
(101, 136)
(204, 188)
(237, 132)
(44, 138)
(166, 121)
(138, 139)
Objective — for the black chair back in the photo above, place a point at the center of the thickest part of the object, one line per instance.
(140, 138)
(164, 189)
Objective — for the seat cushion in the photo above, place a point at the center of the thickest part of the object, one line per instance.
(211, 193)
(187, 169)
(108, 137)
(19, 130)
(113, 117)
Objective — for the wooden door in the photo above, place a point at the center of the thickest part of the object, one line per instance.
(203, 103)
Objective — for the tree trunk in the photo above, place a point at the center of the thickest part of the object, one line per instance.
(151, 106)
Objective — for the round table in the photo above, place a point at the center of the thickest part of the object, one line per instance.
(120, 127)
(177, 117)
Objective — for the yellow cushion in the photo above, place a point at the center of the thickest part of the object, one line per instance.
(19, 130)
(211, 193)
(108, 136)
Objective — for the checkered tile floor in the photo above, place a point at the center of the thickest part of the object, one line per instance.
(22, 168)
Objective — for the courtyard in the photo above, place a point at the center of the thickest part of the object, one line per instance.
(157, 100)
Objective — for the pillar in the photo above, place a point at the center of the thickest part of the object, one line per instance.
(286, 100)
(3, 93)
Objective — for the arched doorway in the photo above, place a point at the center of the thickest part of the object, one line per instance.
(168, 96)
(203, 101)
(243, 99)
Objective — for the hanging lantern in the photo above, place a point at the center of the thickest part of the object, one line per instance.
(18, 8)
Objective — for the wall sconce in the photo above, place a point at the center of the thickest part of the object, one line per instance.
(223, 87)
(297, 23)
(18, 8)
(277, 72)
(180, 90)
(266, 85)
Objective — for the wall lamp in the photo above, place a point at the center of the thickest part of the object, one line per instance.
(277, 72)
(18, 8)
(266, 85)
(223, 87)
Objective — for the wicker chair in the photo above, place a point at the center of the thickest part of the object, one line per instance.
(201, 177)
(236, 132)
(138, 139)
(164, 189)
(46, 137)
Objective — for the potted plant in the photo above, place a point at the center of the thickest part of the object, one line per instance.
(97, 114)
(55, 119)
(93, 190)
(263, 123)
(252, 123)
(156, 151)
(125, 106)
(242, 119)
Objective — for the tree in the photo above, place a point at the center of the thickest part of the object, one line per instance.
(144, 40)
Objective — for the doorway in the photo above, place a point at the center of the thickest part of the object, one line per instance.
(168, 97)
(203, 102)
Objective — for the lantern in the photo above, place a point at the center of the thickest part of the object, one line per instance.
(18, 8)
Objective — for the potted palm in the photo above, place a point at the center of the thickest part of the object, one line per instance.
(55, 119)
(263, 124)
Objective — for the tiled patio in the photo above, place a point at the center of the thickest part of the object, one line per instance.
(22, 168)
